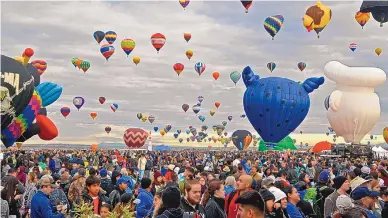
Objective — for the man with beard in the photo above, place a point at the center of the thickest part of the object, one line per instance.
(244, 184)
(191, 201)
(364, 200)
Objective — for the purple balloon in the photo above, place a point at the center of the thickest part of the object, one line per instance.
(78, 102)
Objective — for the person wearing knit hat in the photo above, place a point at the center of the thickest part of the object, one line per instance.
(269, 200)
(280, 205)
(341, 184)
(343, 203)
(170, 202)
(158, 183)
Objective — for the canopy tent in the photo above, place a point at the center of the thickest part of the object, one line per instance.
(379, 152)
(161, 148)
(321, 146)
(285, 144)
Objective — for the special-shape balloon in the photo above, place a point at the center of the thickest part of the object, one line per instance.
(196, 109)
(378, 51)
(110, 37)
(128, 45)
(202, 118)
(136, 60)
(216, 75)
(362, 18)
(178, 67)
(385, 134)
(40, 65)
(135, 137)
(185, 107)
(235, 76)
(246, 4)
(317, 17)
(378, 9)
(353, 46)
(273, 24)
(65, 111)
(274, 123)
(156, 128)
(49, 92)
(353, 112)
(241, 139)
(85, 65)
(93, 115)
(230, 118)
(217, 104)
(200, 99)
(34, 73)
(114, 107)
(301, 66)
(139, 116)
(189, 54)
(187, 36)
(78, 102)
(327, 102)
(151, 118)
(212, 112)
(199, 67)
(99, 36)
(101, 100)
(271, 66)
(108, 129)
(184, 3)
(158, 40)
(48, 130)
(107, 51)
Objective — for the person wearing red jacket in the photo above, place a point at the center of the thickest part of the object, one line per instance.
(244, 184)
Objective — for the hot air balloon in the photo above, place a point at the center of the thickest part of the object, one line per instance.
(176, 135)
(136, 60)
(353, 46)
(108, 129)
(139, 116)
(101, 100)
(78, 102)
(85, 65)
(378, 9)
(217, 104)
(235, 76)
(385, 134)
(353, 113)
(135, 137)
(301, 66)
(178, 67)
(94, 147)
(93, 115)
(271, 66)
(180, 140)
(371, 137)
(212, 112)
(185, 107)
(224, 123)
(199, 67)
(114, 107)
(200, 99)
(49, 92)
(317, 17)
(327, 134)
(184, 3)
(156, 128)
(246, 4)
(162, 132)
(99, 36)
(242, 139)
(362, 18)
(151, 118)
(196, 109)
(73, 61)
(158, 40)
(167, 128)
(65, 111)
(273, 24)
(107, 50)
(202, 118)
(78, 63)
(187, 36)
(230, 118)
(110, 37)
(144, 118)
(275, 123)
(128, 45)
(378, 51)
(216, 75)
(40, 65)
(193, 131)
(189, 54)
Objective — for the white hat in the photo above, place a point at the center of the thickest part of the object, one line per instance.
(344, 202)
(357, 182)
(176, 170)
(171, 167)
(279, 194)
(365, 170)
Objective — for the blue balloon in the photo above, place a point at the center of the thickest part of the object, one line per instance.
(187, 132)
(156, 128)
(276, 106)
(179, 131)
(49, 92)
(176, 135)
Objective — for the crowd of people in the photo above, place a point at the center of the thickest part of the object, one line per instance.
(191, 183)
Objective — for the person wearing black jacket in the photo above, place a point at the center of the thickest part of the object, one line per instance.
(170, 205)
(384, 196)
(214, 200)
(191, 201)
(93, 194)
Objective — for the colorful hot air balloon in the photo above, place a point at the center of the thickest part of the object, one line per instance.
(241, 139)
(167, 128)
(378, 9)
(40, 65)
(135, 137)
(235, 76)
(378, 51)
(107, 50)
(352, 46)
(184, 3)
(224, 123)
(85, 65)
(110, 37)
(217, 104)
(202, 118)
(73, 61)
(362, 18)
(301, 66)
(230, 118)
(196, 109)
(189, 54)
(158, 40)
(187, 36)
(200, 99)
(136, 60)
(108, 129)
(101, 100)
(212, 112)
(271, 66)
(78, 63)
(317, 17)
(178, 67)
(65, 111)
(99, 36)
(114, 107)
(185, 107)
(180, 140)
(246, 4)
(216, 75)
(273, 24)
(151, 118)
(78, 102)
(128, 45)
(199, 67)
(139, 116)
(385, 134)
(93, 115)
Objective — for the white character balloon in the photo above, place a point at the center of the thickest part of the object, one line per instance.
(353, 107)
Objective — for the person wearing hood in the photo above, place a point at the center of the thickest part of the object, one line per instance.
(106, 182)
(115, 195)
(191, 201)
(145, 207)
(170, 203)
(21, 176)
(214, 200)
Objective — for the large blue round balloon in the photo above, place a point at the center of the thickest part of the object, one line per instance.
(276, 106)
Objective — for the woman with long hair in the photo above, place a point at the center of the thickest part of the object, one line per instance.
(32, 181)
(214, 200)
(11, 195)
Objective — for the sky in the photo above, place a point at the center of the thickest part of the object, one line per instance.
(223, 37)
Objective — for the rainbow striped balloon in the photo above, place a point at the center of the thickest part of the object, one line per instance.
(128, 45)
(273, 24)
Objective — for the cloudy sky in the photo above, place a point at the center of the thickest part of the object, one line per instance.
(223, 37)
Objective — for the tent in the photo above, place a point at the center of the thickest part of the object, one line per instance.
(285, 144)
(161, 148)
(379, 152)
(321, 146)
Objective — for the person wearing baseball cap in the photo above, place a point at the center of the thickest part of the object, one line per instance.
(364, 200)
(115, 195)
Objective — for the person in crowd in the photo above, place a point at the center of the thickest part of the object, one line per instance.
(364, 200)
(170, 172)
(214, 200)
(30, 191)
(250, 205)
(141, 164)
(191, 201)
(21, 175)
(341, 184)
(169, 207)
(158, 182)
(280, 204)
(12, 196)
(12, 173)
(255, 174)
(187, 175)
(244, 184)
(293, 199)
(106, 182)
(105, 211)
(92, 194)
(269, 200)
(77, 186)
(58, 196)
(115, 195)
(230, 184)
(145, 207)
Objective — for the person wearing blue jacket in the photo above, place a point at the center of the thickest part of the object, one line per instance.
(52, 165)
(40, 203)
(145, 207)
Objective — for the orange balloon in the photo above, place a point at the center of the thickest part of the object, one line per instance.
(94, 147)
(217, 104)
(378, 51)
(93, 115)
(216, 75)
(187, 36)
(48, 130)
(78, 63)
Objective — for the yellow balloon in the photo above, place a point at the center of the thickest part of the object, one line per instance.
(378, 51)
(136, 60)
(318, 12)
(385, 134)
(212, 112)
(162, 132)
(189, 54)
(144, 118)
(362, 18)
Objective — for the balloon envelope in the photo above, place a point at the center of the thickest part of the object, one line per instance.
(242, 139)
(135, 137)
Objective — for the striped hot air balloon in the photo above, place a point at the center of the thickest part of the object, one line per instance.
(273, 24)
(128, 45)
(135, 137)
(110, 37)
(158, 41)
(352, 46)
(65, 111)
(235, 76)
(200, 67)
(40, 65)
(271, 66)
(107, 50)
